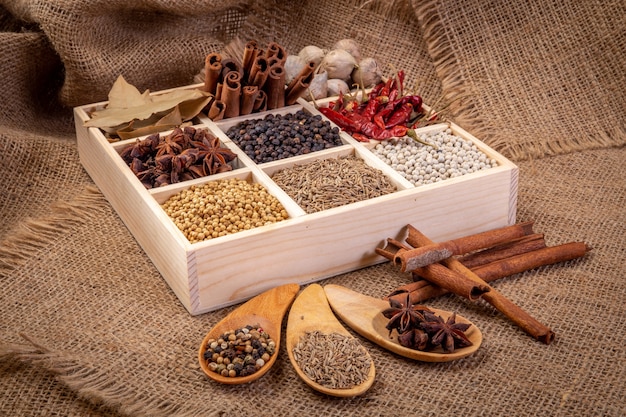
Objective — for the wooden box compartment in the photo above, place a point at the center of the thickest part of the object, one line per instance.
(219, 272)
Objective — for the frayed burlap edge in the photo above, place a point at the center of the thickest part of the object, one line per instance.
(89, 381)
(36, 234)
(603, 137)
(455, 92)
(458, 97)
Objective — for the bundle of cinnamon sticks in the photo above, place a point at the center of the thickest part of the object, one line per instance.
(466, 265)
(253, 84)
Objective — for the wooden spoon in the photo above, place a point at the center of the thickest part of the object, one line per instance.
(311, 312)
(267, 310)
(364, 315)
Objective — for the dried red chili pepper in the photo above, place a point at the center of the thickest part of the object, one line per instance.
(339, 119)
(399, 115)
(373, 106)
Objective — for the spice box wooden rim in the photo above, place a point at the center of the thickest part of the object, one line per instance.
(305, 248)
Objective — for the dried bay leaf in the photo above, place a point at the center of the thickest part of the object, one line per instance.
(167, 122)
(127, 104)
(124, 95)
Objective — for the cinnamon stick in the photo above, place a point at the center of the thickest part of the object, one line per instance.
(442, 276)
(505, 250)
(435, 252)
(212, 70)
(259, 72)
(516, 314)
(275, 50)
(248, 96)
(304, 74)
(231, 93)
(275, 88)
(453, 281)
(421, 290)
(216, 112)
(230, 65)
(260, 104)
(295, 90)
(250, 52)
(530, 260)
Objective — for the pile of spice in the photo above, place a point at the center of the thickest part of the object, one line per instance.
(383, 113)
(182, 155)
(239, 352)
(419, 328)
(222, 207)
(332, 360)
(332, 182)
(282, 136)
(449, 156)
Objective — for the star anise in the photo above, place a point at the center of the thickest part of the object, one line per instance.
(403, 317)
(447, 333)
(214, 157)
(414, 339)
(141, 149)
(172, 143)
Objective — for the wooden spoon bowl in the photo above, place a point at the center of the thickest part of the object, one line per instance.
(364, 315)
(266, 310)
(310, 312)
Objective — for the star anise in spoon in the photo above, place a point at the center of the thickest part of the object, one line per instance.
(404, 316)
(447, 333)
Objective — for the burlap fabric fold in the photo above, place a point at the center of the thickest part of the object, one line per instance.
(532, 78)
(89, 327)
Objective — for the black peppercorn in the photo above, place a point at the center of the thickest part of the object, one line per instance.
(273, 137)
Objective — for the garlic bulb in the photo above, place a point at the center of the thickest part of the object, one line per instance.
(312, 53)
(293, 66)
(367, 73)
(337, 87)
(351, 46)
(319, 86)
(338, 63)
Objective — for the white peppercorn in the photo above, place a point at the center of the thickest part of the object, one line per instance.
(450, 157)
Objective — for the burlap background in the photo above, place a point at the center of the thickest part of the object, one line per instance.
(87, 325)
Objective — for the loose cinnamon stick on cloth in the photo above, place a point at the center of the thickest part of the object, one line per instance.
(421, 289)
(530, 260)
(445, 277)
(435, 252)
(505, 250)
(516, 314)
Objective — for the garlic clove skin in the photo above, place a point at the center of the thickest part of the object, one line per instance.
(312, 53)
(367, 73)
(337, 87)
(319, 86)
(293, 66)
(339, 64)
(351, 46)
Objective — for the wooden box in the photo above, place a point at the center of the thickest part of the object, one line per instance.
(306, 247)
